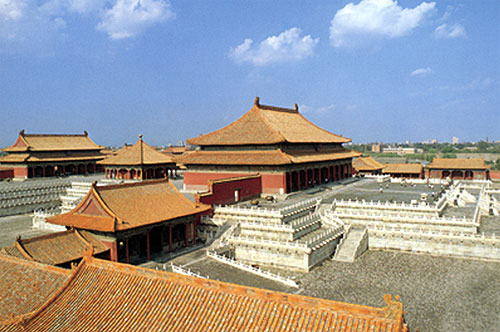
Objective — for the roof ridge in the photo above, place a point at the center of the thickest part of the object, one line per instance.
(27, 317)
(47, 236)
(35, 264)
(23, 250)
(294, 300)
(324, 130)
(131, 184)
(269, 125)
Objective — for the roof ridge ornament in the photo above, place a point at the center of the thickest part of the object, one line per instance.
(257, 101)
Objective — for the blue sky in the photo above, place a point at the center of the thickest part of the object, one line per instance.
(372, 70)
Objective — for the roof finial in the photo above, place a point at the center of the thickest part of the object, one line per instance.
(256, 102)
(140, 137)
(296, 107)
(85, 133)
(21, 132)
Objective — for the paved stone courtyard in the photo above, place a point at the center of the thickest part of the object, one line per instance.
(439, 293)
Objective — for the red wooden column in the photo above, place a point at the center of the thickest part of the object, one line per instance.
(43, 172)
(127, 256)
(307, 179)
(170, 244)
(187, 235)
(148, 251)
(161, 237)
(194, 232)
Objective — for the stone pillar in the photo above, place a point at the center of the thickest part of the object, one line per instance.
(170, 244)
(148, 247)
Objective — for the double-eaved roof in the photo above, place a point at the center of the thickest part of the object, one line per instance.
(55, 248)
(52, 142)
(109, 296)
(136, 155)
(126, 206)
(268, 125)
(458, 163)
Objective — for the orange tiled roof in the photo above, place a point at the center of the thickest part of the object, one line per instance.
(458, 163)
(403, 168)
(269, 125)
(26, 285)
(175, 150)
(126, 206)
(109, 296)
(138, 154)
(50, 157)
(56, 248)
(264, 157)
(52, 142)
(367, 164)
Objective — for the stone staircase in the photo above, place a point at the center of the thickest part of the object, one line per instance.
(354, 243)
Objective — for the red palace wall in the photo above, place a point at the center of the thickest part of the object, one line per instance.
(21, 172)
(223, 192)
(6, 173)
(271, 183)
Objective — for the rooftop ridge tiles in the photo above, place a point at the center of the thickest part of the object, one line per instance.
(47, 236)
(130, 184)
(27, 317)
(23, 250)
(240, 290)
(35, 264)
(270, 126)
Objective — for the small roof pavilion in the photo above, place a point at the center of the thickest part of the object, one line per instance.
(136, 219)
(139, 161)
(458, 168)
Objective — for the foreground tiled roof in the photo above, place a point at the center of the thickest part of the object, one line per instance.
(26, 285)
(55, 248)
(269, 125)
(108, 296)
(458, 163)
(403, 168)
(138, 154)
(264, 157)
(126, 206)
(52, 142)
(367, 164)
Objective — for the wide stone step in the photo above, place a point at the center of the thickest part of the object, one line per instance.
(352, 245)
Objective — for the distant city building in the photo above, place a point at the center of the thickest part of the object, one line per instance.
(399, 150)
(376, 148)
(434, 141)
(288, 151)
(44, 155)
(455, 140)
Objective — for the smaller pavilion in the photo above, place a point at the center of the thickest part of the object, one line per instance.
(136, 219)
(140, 162)
(409, 170)
(367, 165)
(457, 168)
(44, 155)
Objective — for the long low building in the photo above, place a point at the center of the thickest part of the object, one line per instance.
(108, 296)
(458, 168)
(44, 155)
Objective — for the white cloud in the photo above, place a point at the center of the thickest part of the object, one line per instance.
(288, 46)
(421, 72)
(11, 9)
(128, 18)
(376, 18)
(61, 7)
(449, 31)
